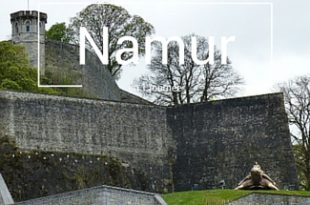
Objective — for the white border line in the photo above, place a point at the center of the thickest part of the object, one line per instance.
(270, 4)
(39, 42)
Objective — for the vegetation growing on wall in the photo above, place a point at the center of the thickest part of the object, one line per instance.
(63, 71)
(17, 74)
(32, 174)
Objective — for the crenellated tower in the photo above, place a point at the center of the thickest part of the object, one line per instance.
(28, 28)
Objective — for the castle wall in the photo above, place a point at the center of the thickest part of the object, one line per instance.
(134, 133)
(221, 140)
(32, 52)
(96, 80)
(103, 195)
(196, 145)
(29, 38)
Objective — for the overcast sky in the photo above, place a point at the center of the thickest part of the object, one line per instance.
(272, 37)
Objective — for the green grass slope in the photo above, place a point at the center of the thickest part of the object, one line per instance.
(217, 197)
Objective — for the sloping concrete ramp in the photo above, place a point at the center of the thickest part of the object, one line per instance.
(102, 195)
(271, 199)
(5, 195)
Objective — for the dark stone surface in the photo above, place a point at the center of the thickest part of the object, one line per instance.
(222, 139)
(35, 173)
(185, 147)
(134, 133)
(131, 98)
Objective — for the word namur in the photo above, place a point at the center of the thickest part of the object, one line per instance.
(104, 57)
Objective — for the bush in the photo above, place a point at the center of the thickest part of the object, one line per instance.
(9, 84)
(16, 72)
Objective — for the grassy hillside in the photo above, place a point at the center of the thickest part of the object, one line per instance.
(216, 197)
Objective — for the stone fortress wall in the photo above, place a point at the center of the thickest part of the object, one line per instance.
(96, 80)
(134, 133)
(178, 148)
(25, 32)
(221, 140)
(103, 195)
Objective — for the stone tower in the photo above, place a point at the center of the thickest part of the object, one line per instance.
(25, 31)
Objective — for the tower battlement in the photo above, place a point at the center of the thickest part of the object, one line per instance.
(27, 14)
(25, 31)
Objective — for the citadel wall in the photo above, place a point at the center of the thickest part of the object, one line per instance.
(134, 133)
(25, 32)
(196, 145)
(221, 140)
(96, 80)
(102, 195)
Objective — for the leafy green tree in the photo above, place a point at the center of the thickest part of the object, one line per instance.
(119, 22)
(17, 74)
(59, 32)
(15, 70)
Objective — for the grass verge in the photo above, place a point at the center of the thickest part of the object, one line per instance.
(217, 197)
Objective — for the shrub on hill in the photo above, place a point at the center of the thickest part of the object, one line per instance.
(16, 72)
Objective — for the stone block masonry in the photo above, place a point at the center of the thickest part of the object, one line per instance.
(25, 32)
(221, 140)
(178, 148)
(95, 78)
(134, 133)
(103, 195)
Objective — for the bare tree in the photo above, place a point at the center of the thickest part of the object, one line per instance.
(173, 84)
(119, 22)
(297, 99)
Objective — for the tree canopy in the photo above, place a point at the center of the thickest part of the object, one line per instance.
(59, 32)
(15, 71)
(119, 22)
(173, 84)
(297, 99)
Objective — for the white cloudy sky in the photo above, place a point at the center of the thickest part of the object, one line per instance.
(272, 37)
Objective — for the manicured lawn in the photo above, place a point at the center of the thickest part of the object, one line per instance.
(216, 197)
